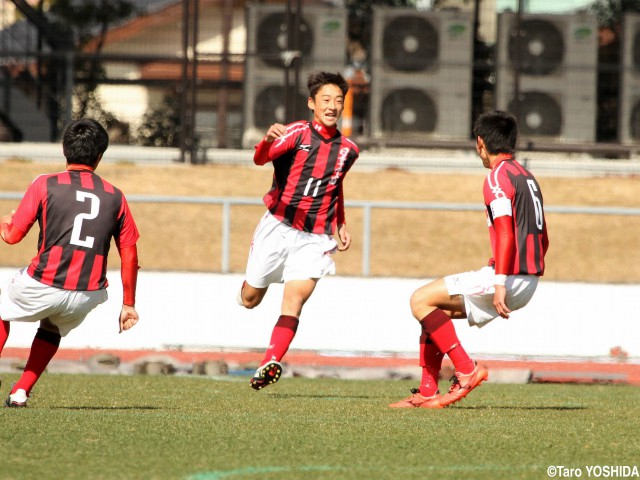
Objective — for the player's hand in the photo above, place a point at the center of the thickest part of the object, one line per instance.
(275, 131)
(499, 301)
(345, 238)
(5, 224)
(128, 318)
(8, 219)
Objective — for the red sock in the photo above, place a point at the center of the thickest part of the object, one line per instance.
(442, 333)
(44, 347)
(461, 360)
(431, 362)
(281, 338)
(5, 327)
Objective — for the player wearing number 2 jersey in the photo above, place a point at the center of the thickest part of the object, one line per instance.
(294, 240)
(78, 214)
(518, 234)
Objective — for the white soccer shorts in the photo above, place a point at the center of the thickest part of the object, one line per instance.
(477, 289)
(24, 299)
(280, 253)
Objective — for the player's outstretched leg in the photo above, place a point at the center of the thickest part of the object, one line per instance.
(44, 347)
(463, 384)
(266, 374)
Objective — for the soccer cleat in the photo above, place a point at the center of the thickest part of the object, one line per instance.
(463, 384)
(417, 400)
(17, 399)
(266, 375)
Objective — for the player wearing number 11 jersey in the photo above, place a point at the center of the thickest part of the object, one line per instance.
(294, 240)
(519, 242)
(78, 214)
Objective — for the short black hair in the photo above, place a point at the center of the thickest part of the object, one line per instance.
(317, 80)
(498, 130)
(84, 141)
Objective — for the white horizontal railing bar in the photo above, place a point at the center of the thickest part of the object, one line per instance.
(395, 205)
(366, 205)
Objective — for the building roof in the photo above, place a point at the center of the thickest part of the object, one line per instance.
(22, 36)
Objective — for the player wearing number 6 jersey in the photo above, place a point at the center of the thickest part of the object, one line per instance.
(294, 240)
(78, 213)
(518, 234)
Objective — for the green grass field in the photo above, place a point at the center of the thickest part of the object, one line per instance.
(199, 428)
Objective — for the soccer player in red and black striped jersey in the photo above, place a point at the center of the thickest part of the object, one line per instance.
(294, 240)
(78, 213)
(519, 242)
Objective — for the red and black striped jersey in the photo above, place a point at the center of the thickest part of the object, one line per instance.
(310, 162)
(510, 189)
(78, 213)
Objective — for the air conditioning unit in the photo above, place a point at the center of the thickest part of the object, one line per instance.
(629, 104)
(557, 58)
(322, 35)
(421, 74)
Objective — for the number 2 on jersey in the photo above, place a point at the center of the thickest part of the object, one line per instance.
(81, 217)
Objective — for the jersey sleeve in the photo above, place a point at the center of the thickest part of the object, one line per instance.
(261, 155)
(27, 212)
(498, 192)
(128, 234)
(283, 145)
(129, 274)
(268, 151)
(505, 244)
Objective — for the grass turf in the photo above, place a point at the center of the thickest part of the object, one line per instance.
(198, 428)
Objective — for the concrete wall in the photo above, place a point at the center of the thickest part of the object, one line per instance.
(352, 315)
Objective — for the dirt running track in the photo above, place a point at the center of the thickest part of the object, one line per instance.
(603, 371)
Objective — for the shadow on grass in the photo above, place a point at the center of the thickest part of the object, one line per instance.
(325, 397)
(456, 407)
(519, 407)
(133, 407)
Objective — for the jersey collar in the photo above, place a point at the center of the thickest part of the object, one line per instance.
(502, 157)
(325, 132)
(79, 166)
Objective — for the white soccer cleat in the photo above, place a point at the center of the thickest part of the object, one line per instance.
(17, 399)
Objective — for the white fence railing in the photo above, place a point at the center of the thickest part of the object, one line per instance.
(366, 206)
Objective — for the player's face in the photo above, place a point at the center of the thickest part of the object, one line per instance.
(482, 152)
(327, 105)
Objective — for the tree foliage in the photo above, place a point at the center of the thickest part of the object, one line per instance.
(88, 21)
(610, 12)
(160, 126)
(88, 18)
(361, 17)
